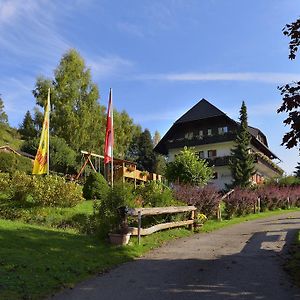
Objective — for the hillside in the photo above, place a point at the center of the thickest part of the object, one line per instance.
(10, 136)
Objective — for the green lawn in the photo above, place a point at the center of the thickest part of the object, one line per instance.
(293, 264)
(36, 261)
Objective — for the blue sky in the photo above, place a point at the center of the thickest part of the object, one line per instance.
(159, 56)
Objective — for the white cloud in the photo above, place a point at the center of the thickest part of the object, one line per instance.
(130, 28)
(103, 66)
(241, 76)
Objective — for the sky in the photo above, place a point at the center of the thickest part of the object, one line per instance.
(160, 57)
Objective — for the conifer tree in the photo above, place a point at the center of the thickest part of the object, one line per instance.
(146, 158)
(3, 115)
(242, 161)
(27, 129)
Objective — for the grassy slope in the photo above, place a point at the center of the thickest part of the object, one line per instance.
(10, 136)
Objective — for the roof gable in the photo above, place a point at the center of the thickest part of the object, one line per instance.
(202, 110)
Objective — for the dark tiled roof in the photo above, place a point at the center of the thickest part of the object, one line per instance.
(202, 110)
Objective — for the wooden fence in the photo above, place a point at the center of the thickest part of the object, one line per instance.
(140, 212)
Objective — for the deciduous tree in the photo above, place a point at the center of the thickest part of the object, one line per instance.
(187, 168)
(291, 91)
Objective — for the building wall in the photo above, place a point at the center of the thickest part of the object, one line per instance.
(223, 173)
(223, 149)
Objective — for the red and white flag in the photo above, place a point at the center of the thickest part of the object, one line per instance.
(109, 135)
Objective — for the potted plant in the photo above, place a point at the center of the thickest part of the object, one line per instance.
(120, 235)
(199, 220)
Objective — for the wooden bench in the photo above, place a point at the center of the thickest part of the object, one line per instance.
(140, 212)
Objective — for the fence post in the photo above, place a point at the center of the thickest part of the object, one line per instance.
(139, 226)
(258, 204)
(219, 213)
(192, 218)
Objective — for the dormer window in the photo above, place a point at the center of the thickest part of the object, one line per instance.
(222, 130)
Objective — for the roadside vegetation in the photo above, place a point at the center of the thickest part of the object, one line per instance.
(293, 263)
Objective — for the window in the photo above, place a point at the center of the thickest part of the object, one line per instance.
(222, 130)
(200, 134)
(201, 154)
(189, 135)
(211, 153)
(209, 132)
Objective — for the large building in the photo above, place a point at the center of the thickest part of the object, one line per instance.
(212, 134)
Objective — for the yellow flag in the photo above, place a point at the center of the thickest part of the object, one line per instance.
(41, 162)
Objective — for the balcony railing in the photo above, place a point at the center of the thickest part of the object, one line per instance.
(197, 140)
(218, 161)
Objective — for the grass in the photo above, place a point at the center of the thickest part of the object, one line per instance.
(293, 264)
(36, 261)
(9, 136)
(57, 217)
(211, 225)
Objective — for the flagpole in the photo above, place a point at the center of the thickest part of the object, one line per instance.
(48, 133)
(112, 148)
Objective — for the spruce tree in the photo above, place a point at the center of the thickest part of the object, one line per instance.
(3, 115)
(146, 158)
(242, 161)
(27, 129)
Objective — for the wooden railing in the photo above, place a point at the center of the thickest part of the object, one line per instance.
(140, 212)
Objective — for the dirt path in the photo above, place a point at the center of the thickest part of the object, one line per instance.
(239, 262)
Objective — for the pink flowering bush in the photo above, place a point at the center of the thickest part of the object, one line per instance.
(240, 202)
(206, 199)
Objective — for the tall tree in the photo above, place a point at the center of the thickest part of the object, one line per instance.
(76, 115)
(145, 157)
(124, 132)
(156, 138)
(297, 171)
(291, 92)
(3, 115)
(242, 161)
(27, 128)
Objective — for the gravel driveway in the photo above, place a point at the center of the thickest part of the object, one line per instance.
(243, 261)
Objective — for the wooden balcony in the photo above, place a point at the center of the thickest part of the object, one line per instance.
(127, 171)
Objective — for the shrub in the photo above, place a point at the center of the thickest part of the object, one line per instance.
(240, 202)
(156, 194)
(20, 186)
(95, 187)
(4, 182)
(122, 194)
(10, 162)
(206, 199)
(55, 191)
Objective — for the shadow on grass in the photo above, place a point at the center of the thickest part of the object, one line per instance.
(36, 261)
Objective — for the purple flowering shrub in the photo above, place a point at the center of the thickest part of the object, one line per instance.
(206, 199)
(240, 202)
